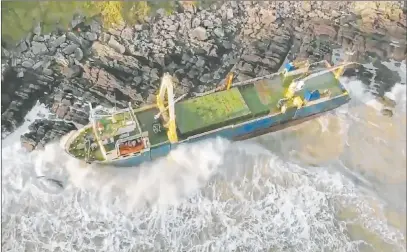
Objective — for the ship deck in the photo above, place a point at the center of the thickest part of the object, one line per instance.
(238, 104)
(220, 109)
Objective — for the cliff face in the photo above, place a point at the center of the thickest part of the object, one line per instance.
(67, 69)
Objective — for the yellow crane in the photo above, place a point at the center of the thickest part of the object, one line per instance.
(167, 88)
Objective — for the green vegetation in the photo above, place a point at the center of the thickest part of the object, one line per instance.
(79, 150)
(18, 17)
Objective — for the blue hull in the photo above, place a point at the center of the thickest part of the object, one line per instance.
(242, 131)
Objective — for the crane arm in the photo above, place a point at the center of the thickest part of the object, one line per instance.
(167, 88)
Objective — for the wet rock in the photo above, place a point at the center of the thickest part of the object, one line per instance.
(43, 131)
(387, 112)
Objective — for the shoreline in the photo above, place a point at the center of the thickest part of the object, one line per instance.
(197, 46)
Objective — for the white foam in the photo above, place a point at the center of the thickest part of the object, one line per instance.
(209, 195)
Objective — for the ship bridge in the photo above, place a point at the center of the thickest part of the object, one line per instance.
(118, 132)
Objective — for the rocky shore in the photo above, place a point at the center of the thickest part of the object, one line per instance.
(67, 69)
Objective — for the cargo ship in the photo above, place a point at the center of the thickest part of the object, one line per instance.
(234, 110)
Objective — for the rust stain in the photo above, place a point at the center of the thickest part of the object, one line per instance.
(264, 92)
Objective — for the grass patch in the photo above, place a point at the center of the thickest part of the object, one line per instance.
(18, 17)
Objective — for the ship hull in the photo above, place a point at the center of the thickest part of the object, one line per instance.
(242, 131)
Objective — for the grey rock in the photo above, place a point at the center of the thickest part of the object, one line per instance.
(38, 48)
(37, 29)
(57, 42)
(46, 63)
(173, 27)
(38, 65)
(229, 13)
(200, 62)
(227, 45)
(251, 58)
(219, 32)
(72, 37)
(77, 20)
(138, 27)
(196, 22)
(47, 71)
(199, 33)
(116, 45)
(127, 33)
(72, 72)
(78, 54)
(104, 37)
(160, 12)
(61, 111)
(387, 112)
(91, 36)
(22, 47)
(63, 45)
(205, 78)
(95, 27)
(61, 60)
(28, 63)
(38, 38)
(20, 74)
(4, 53)
(208, 24)
(70, 49)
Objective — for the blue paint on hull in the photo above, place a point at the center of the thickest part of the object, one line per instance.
(235, 131)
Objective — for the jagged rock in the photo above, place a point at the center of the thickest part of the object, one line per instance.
(194, 44)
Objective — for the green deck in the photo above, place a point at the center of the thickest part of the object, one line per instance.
(146, 119)
(210, 111)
